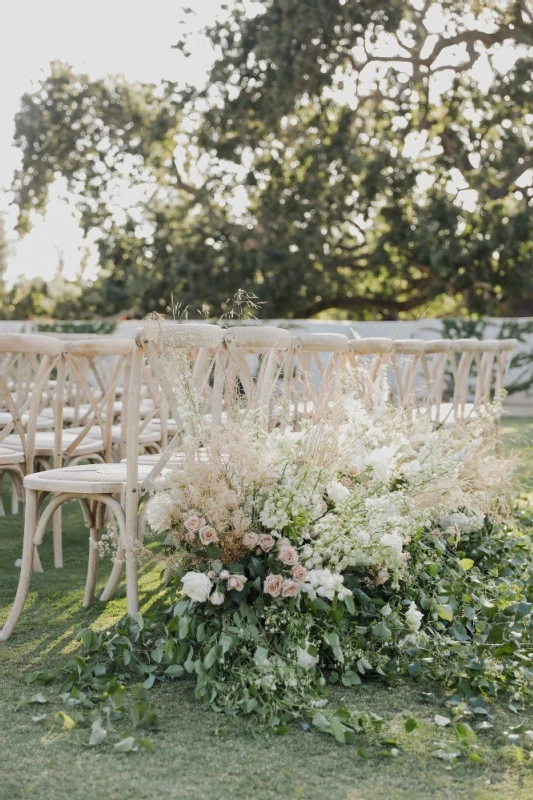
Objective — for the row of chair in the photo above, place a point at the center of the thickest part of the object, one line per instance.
(104, 399)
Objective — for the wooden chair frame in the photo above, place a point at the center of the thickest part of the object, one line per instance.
(96, 486)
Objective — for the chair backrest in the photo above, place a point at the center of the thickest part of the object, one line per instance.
(313, 362)
(369, 361)
(186, 367)
(95, 371)
(28, 366)
(478, 368)
(253, 367)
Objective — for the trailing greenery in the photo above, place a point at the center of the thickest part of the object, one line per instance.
(477, 595)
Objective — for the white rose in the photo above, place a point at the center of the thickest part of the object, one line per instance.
(413, 617)
(394, 541)
(305, 660)
(380, 460)
(197, 586)
(337, 492)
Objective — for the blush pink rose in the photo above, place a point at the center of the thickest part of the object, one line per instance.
(322, 507)
(299, 573)
(346, 482)
(236, 582)
(382, 576)
(288, 555)
(190, 537)
(224, 575)
(217, 598)
(283, 542)
(250, 539)
(194, 523)
(208, 535)
(266, 542)
(289, 588)
(273, 585)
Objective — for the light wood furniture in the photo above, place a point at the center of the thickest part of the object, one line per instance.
(313, 367)
(477, 368)
(97, 486)
(253, 368)
(368, 361)
(27, 366)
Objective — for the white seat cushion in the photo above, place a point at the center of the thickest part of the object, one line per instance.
(45, 443)
(10, 455)
(87, 479)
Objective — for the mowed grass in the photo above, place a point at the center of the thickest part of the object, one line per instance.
(198, 755)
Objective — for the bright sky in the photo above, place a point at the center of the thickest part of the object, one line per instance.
(99, 37)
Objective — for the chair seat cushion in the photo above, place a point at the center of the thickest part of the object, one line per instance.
(10, 455)
(45, 443)
(86, 479)
(150, 435)
(43, 423)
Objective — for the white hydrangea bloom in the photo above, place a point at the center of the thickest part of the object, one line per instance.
(413, 617)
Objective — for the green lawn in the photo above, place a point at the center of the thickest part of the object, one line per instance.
(197, 756)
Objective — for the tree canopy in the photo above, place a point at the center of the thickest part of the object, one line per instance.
(369, 158)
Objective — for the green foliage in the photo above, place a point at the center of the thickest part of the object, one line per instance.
(99, 327)
(246, 658)
(351, 165)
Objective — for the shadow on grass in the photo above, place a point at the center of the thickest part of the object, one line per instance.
(53, 608)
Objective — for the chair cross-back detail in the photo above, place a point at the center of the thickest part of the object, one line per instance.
(27, 367)
(368, 360)
(254, 366)
(313, 362)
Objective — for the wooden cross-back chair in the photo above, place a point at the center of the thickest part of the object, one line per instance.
(90, 441)
(409, 373)
(478, 368)
(313, 362)
(27, 364)
(368, 360)
(118, 487)
(254, 368)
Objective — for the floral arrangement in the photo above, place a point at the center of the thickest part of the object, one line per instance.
(347, 491)
(365, 542)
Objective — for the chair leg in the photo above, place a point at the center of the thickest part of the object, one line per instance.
(92, 569)
(30, 524)
(128, 555)
(112, 581)
(132, 584)
(2, 511)
(37, 566)
(57, 535)
(14, 499)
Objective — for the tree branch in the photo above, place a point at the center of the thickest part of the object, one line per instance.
(497, 192)
(357, 303)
